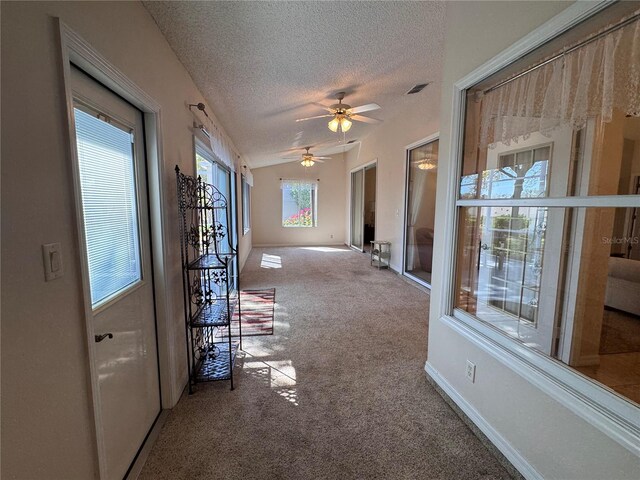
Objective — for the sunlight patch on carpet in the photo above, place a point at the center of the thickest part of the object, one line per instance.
(279, 375)
(325, 249)
(270, 261)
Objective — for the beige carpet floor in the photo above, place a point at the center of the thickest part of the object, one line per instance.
(338, 392)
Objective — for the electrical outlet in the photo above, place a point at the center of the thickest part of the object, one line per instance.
(471, 371)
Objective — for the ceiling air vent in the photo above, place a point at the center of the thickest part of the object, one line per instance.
(417, 88)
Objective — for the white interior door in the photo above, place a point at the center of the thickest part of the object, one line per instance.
(517, 281)
(515, 291)
(357, 209)
(112, 199)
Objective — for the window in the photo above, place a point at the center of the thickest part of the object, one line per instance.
(547, 248)
(246, 205)
(109, 204)
(215, 174)
(299, 203)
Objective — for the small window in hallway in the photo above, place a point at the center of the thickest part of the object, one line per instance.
(299, 203)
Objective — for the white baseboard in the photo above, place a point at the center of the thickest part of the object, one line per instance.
(516, 459)
(148, 444)
(316, 244)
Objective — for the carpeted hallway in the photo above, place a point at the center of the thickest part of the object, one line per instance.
(338, 392)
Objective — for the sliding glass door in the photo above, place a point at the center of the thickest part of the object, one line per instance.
(422, 167)
(357, 209)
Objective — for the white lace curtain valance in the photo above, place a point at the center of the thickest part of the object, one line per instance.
(590, 81)
(221, 147)
(284, 183)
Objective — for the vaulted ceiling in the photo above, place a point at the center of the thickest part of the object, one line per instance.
(261, 65)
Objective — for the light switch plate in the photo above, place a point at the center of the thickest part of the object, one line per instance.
(470, 371)
(52, 260)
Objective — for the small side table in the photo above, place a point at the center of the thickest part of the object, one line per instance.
(380, 253)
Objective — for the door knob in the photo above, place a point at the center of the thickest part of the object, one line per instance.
(99, 338)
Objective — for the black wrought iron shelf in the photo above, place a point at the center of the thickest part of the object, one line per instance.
(209, 280)
(217, 314)
(207, 207)
(211, 261)
(217, 364)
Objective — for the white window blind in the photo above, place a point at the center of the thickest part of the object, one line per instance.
(107, 177)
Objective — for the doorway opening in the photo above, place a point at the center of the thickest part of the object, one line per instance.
(363, 207)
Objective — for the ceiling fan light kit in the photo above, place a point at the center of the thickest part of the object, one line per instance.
(426, 165)
(340, 121)
(307, 162)
(344, 115)
(427, 162)
(309, 159)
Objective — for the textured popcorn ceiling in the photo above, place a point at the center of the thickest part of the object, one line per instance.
(261, 64)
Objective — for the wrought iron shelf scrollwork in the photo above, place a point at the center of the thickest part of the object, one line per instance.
(217, 366)
(208, 267)
(215, 314)
(211, 261)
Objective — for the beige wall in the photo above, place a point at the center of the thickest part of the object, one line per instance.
(553, 440)
(47, 422)
(387, 143)
(266, 218)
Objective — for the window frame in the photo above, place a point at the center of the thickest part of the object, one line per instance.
(314, 208)
(246, 204)
(435, 137)
(201, 147)
(595, 403)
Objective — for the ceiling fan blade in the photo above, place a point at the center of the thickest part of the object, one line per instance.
(290, 158)
(317, 160)
(317, 116)
(365, 108)
(321, 158)
(324, 107)
(364, 119)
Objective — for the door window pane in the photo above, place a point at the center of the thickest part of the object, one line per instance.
(107, 177)
(502, 269)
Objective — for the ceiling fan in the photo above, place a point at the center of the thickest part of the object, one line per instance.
(343, 114)
(308, 159)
